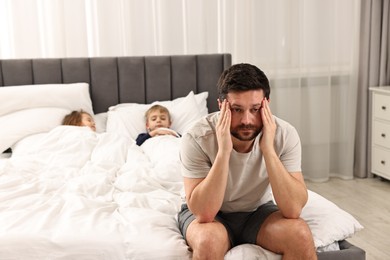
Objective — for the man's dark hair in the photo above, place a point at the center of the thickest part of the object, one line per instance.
(242, 77)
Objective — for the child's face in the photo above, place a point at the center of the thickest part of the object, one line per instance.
(156, 120)
(87, 120)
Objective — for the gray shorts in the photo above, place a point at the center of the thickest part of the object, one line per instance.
(242, 227)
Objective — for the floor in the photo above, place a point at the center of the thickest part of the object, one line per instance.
(368, 200)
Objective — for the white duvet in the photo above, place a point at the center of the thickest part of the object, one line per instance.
(72, 195)
(76, 194)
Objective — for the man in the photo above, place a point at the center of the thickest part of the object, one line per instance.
(229, 159)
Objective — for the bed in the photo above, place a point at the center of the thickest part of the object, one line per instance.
(70, 193)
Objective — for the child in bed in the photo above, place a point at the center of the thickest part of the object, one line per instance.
(79, 118)
(158, 121)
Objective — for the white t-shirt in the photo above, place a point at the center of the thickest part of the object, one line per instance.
(248, 179)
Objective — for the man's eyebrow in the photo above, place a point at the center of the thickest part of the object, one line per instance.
(238, 105)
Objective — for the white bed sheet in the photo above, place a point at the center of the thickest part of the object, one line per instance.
(77, 194)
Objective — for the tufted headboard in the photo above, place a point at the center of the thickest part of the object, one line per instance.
(114, 80)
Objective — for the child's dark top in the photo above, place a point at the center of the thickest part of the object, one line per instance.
(143, 137)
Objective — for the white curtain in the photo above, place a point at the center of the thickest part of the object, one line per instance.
(308, 48)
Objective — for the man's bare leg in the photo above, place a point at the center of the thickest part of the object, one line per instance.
(208, 240)
(290, 237)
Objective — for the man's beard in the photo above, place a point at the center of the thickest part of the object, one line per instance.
(236, 132)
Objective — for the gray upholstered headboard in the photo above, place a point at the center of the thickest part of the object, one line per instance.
(115, 80)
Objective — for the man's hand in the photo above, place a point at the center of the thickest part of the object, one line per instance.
(269, 128)
(224, 138)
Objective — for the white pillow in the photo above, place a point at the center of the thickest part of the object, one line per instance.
(129, 119)
(70, 96)
(201, 100)
(328, 222)
(100, 122)
(19, 124)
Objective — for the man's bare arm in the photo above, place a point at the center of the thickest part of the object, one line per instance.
(205, 196)
(289, 189)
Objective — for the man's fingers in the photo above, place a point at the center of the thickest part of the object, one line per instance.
(224, 118)
(266, 112)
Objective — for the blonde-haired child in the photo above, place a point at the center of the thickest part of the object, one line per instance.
(158, 121)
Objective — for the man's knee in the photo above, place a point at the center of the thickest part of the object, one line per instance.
(208, 240)
(302, 239)
(301, 232)
(210, 237)
(287, 236)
